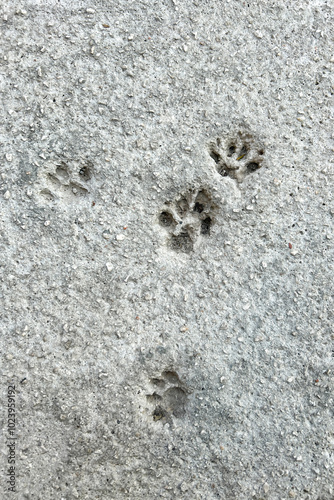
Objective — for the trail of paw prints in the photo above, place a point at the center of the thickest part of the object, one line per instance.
(67, 184)
(187, 219)
(169, 397)
(236, 157)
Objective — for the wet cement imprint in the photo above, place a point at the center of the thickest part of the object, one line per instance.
(168, 398)
(67, 184)
(236, 157)
(188, 218)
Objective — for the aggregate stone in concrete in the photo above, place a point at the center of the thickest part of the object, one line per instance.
(167, 249)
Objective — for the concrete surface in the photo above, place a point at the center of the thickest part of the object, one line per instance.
(167, 248)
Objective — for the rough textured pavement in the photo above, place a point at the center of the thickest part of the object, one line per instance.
(167, 249)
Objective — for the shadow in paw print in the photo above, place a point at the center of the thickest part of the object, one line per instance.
(166, 219)
(205, 226)
(169, 398)
(171, 376)
(187, 219)
(158, 382)
(238, 157)
(85, 172)
(181, 242)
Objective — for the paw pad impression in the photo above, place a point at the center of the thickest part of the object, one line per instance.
(68, 184)
(169, 396)
(236, 157)
(187, 219)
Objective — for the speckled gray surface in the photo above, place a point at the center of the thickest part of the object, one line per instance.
(167, 248)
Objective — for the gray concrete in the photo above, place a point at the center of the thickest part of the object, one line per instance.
(167, 248)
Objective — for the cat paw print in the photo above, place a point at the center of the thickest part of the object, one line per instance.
(236, 157)
(67, 184)
(169, 397)
(187, 219)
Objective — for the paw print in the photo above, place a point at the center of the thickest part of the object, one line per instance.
(236, 157)
(67, 184)
(168, 398)
(187, 220)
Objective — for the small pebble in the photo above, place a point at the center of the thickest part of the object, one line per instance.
(109, 266)
(120, 237)
(90, 11)
(47, 223)
(6, 195)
